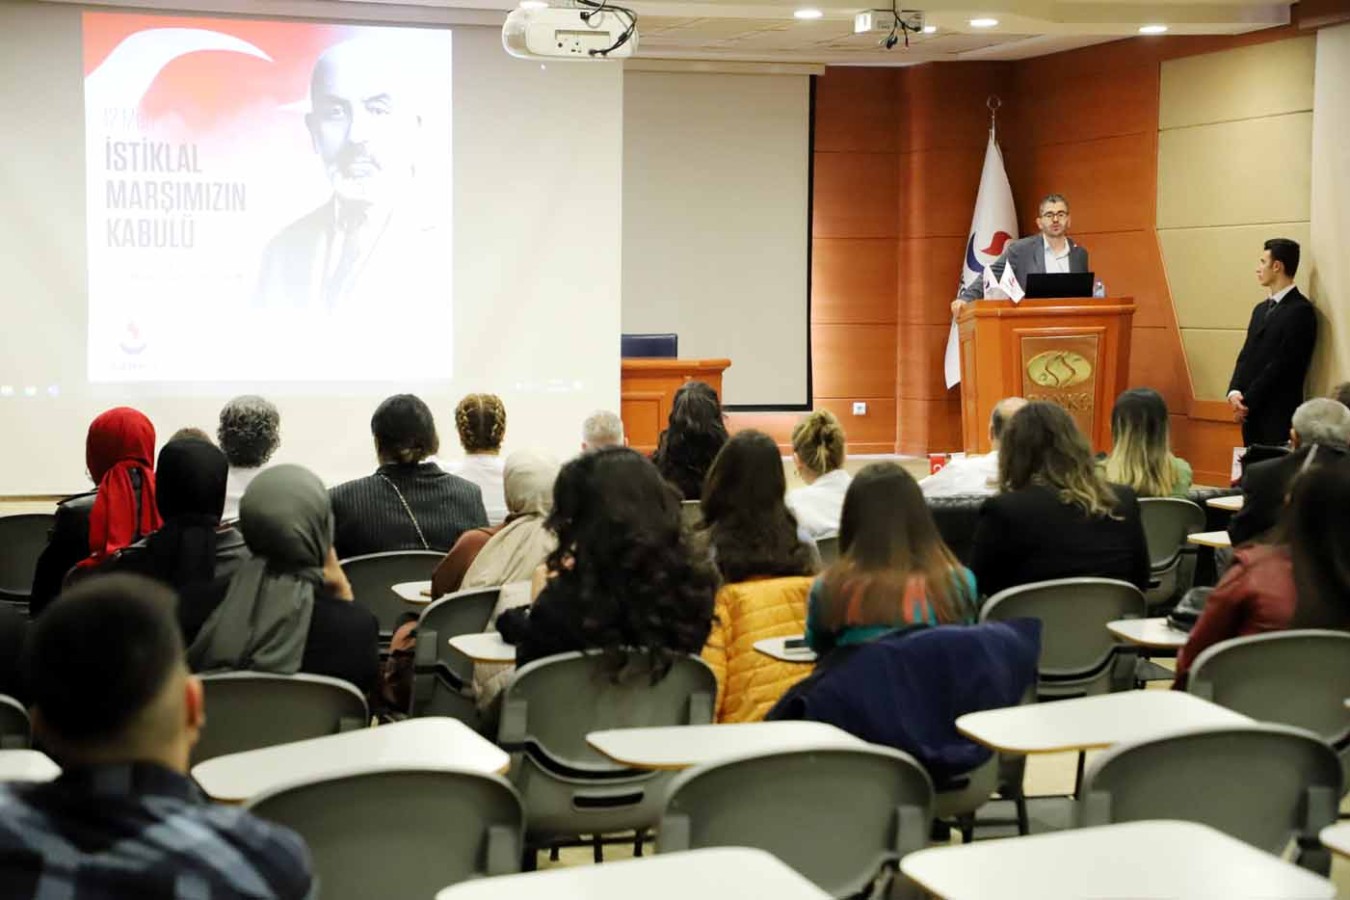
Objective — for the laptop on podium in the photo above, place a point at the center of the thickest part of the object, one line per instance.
(1043, 285)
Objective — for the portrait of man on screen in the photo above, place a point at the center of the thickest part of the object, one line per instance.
(374, 241)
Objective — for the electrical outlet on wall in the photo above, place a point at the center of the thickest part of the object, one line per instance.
(859, 408)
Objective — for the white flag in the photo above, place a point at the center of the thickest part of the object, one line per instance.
(992, 226)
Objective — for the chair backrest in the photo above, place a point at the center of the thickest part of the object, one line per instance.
(828, 549)
(374, 575)
(22, 540)
(248, 710)
(1298, 678)
(835, 815)
(553, 703)
(16, 732)
(1167, 521)
(1075, 644)
(1262, 784)
(401, 832)
(463, 612)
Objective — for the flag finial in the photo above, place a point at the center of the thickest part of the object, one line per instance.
(995, 103)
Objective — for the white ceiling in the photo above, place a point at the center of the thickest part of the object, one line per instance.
(765, 30)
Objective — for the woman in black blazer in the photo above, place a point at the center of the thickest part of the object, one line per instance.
(1055, 516)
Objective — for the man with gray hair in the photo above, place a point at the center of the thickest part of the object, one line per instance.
(974, 474)
(1321, 428)
(249, 433)
(602, 428)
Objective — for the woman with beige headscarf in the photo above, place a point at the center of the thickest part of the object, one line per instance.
(488, 557)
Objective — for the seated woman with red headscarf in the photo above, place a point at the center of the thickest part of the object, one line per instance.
(121, 510)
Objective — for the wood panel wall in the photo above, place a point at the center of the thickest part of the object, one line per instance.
(897, 161)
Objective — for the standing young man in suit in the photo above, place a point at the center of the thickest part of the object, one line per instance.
(1267, 383)
(1049, 250)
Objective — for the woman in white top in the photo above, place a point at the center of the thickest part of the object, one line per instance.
(480, 420)
(818, 451)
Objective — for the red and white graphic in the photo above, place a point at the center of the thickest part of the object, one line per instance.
(285, 186)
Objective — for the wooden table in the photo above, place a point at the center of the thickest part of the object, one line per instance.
(432, 742)
(1214, 539)
(774, 647)
(711, 873)
(1154, 633)
(1149, 860)
(27, 765)
(418, 592)
(681, 746)
(1232, 502)
(1336, 838)
(487, 647)
(1091, 723)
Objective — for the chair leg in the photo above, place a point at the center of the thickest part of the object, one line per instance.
(598, 848)
(1023, 820)
(529, 860)
(637, 843)
(967, 824)
(1078, 776)
(553, 853)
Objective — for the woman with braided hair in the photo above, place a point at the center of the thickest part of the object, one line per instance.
(480, 420)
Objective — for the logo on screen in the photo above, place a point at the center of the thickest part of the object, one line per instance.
(133, 342)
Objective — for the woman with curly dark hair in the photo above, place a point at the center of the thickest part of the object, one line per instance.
(623, 574)
(694, 434)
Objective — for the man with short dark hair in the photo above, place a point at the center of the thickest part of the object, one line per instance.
(114, 704)
(1050, 250)
(1267, 382)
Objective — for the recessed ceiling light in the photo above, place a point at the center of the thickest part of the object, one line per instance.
(983, 23)
(1152, 29)
(930, 29)
(533, 4)
(807, 13)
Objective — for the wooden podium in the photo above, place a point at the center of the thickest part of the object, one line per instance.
(647, 387)
(1072, 352)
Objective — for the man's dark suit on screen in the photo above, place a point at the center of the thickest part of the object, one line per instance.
(1272, 366)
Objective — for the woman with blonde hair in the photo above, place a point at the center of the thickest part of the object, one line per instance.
(818, 449)
(480, 420)
(1055, 517)
(1141, 452)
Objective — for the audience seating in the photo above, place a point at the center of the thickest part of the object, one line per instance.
(401, 832)
(16, 732)
(1263, 784)
(956, 517)
(828, 548)
(837, 816)
(248, 710)
(442, 683)
(570, 789)
(1079, 657)
(1298, 678)
(373, 576)
(23, 538)
(1167, 521)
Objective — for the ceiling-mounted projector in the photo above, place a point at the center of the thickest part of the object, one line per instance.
(570, 33)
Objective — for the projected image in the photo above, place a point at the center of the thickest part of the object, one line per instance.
(267, 201)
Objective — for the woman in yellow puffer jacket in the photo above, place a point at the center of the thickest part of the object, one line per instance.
(765, 567)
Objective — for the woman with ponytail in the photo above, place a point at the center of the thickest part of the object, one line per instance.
(818, 448)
